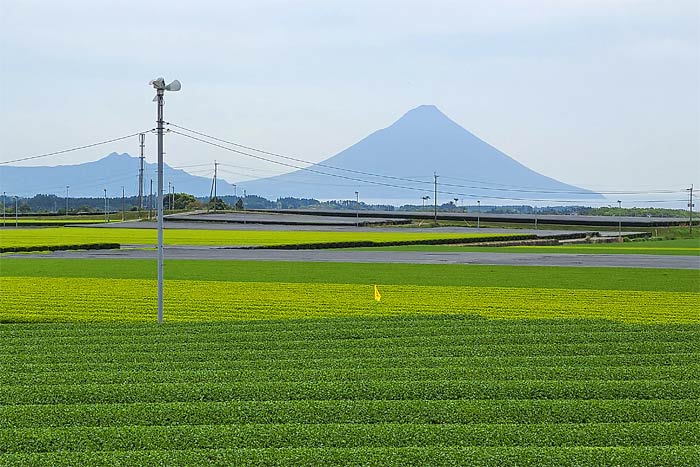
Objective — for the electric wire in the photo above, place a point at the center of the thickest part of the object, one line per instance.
(78, 148)
(509, 188)
(372, 182)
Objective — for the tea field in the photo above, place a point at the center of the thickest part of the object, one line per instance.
(296, 364)
(82, 235)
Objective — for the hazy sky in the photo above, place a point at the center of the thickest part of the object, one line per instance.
(597, 93)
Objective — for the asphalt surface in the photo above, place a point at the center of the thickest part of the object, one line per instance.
(364, 256)
(183, 225)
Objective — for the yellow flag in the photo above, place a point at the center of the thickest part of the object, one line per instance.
(377, 296)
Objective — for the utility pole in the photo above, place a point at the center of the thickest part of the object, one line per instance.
(435, 194)
(16, 211)
(357, 209)
(535, 211)
(169, 206)
(106, 217)
(216, 166)
(172, 199)
(619, 221)
(123, 204)
(150, 202)
(142, 141)
(67, 199)
(4, 210)
(478, 214)
(160, 87)
(690, 209)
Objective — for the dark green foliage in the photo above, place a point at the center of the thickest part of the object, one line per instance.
(439, 390)
(84, 246)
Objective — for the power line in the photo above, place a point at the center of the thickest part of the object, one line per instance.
(508, 188)
(467, 195)
(55, 153)
(295, 159)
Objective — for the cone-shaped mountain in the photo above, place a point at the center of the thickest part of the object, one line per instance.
(420, 143)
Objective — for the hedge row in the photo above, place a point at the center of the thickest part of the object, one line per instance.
(83, 246)
(368, 243)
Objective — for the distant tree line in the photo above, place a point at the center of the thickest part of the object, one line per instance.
(52, 204)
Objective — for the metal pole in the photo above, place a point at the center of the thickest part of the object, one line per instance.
(535, 211)
(106, 218)
(67, 199)
(123, 204)
(150, 202)
(16, 210)
(245, 195)
(4, 210)
(690, 210)
(478, 215)
(619, 221)
(357, 209)
(142, 140)
(435, 194)
(216, 165)
(159, 97)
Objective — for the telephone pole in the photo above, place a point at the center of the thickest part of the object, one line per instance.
(142, 141)
(435, 196)
(212, 192)
(216, 166)
(123, 204)
(150, 202)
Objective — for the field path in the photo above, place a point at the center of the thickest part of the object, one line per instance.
(417, 257)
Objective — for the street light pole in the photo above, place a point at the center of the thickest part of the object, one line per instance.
(357, 209)
(160, 87)
(16, 215)
(106, 218)
(67, 199)
(123, 204)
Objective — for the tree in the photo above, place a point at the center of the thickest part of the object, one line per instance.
(239, 205)
(218, 204)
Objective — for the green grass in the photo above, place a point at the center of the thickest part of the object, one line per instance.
(677, 280)
(410, 390)
(685, 247)
(70, 235)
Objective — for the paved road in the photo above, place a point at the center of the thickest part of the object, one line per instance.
(334, 228)
(520, 259)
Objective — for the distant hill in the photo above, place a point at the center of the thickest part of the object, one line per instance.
(91, 178)
(421, 142)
